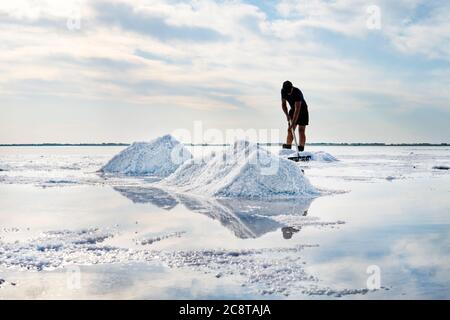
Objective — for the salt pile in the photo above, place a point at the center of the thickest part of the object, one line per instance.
(242, 170)
(150, 240)
(159, 157)
(315, 156)
(267, 271)
(441, 168)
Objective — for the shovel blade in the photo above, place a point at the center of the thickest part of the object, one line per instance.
(300, 158)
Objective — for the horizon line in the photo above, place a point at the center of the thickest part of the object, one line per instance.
(87, 144)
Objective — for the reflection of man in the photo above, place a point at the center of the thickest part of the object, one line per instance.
(288, 232)
(297, 115)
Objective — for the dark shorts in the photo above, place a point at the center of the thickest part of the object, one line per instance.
(303, 117)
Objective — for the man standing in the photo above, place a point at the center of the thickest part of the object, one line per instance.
(297, 115)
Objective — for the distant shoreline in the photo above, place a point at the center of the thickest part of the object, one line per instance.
(330, 144)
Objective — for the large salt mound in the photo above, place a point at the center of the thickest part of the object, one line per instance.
(159, 157)
(315, 156)
(242, 170)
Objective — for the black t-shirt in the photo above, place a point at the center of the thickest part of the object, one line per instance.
(295, 96)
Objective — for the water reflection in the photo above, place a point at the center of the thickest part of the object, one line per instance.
(245, 218)
(156, 196)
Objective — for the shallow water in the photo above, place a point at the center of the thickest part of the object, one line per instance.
(122, 238)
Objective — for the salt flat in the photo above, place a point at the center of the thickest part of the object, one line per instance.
(67, 231)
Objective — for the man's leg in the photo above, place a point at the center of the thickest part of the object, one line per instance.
(289, 138)
(302, 135)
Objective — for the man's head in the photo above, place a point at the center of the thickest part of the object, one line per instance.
(287, 87)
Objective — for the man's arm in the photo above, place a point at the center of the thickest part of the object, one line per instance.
(298, 105)
(284, 107)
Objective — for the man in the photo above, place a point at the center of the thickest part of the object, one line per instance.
(298, 114)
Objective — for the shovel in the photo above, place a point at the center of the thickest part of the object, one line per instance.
(298, 157)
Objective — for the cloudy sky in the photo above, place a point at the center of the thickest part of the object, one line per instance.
(104, 71)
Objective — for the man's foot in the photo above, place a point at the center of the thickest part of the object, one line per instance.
(301, 148)
(287, 146)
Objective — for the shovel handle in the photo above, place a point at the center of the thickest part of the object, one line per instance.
(295, 138)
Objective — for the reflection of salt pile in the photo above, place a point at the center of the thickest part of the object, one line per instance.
(315, 156)
(242, 170)
(159, 157)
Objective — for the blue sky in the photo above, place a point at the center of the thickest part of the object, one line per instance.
(101, 71)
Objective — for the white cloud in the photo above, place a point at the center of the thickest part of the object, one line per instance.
(430, 36)
(414, 27)
(342, 16)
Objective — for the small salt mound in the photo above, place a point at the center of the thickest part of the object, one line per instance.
(159, 157)
(315, 156)
(242, 170)
(441, 167)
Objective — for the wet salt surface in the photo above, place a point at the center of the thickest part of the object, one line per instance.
(131, 240)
